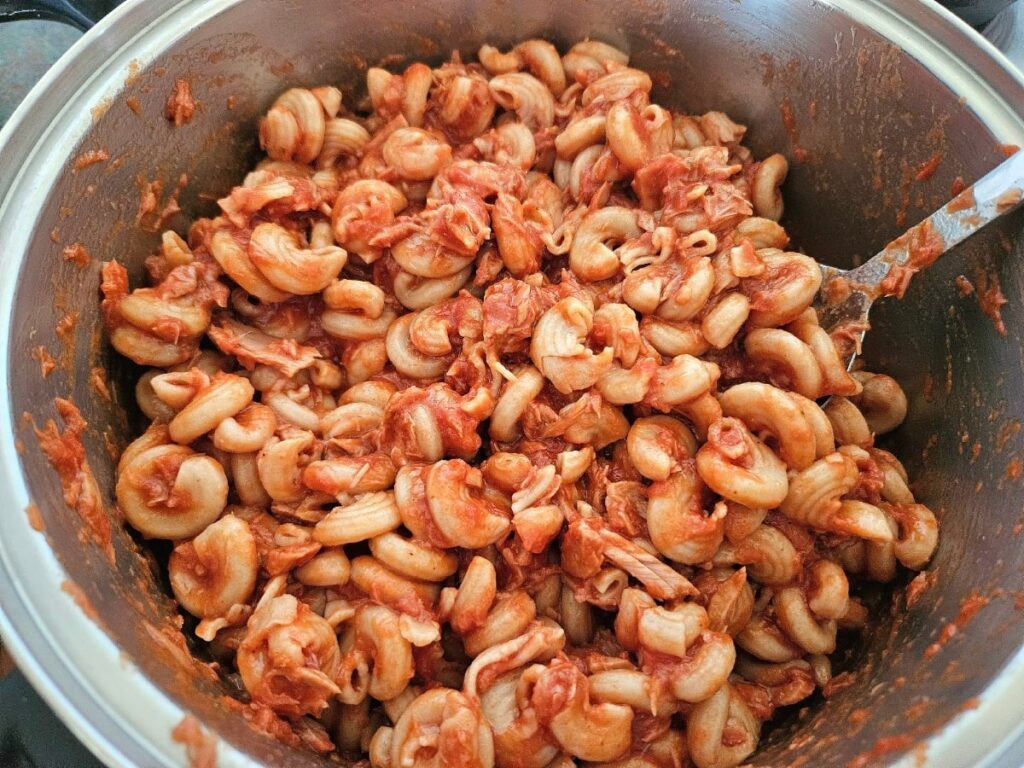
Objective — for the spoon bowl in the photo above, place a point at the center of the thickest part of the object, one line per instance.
(846, 295)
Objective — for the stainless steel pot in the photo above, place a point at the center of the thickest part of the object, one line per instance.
(874, 91)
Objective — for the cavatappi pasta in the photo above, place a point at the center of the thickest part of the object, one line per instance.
(486, 424)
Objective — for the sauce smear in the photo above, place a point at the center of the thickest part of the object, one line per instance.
(200, 747)
(67, 456)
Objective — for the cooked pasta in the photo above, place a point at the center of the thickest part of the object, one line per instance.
(485, 422)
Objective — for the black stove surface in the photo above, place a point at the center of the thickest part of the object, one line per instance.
(31, 736)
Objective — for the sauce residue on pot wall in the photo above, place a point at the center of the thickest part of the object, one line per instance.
(149, 199)
(66, 454)
(989, 292)
(65, 327)
(800, 155)
(927, 169)
(173, 643)
(77, 254)
(151, 217)
(1014, 469)
(884, 746)
(90, 157)
(181, 106)
(919, 585)
(98, 381)
(969, 608)
(46, 361)
(200, 747)
(991, 298)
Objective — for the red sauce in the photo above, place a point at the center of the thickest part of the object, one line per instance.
(837, 291)
(963, 201)
(35, 518)
(906, 179)
(66, 325)
(883, 746)
(46, 362)
(173, 641)
(859, 716)
(1009, 199)
(928, 387)
(67, 456)
(1007, 431)
(927, 169)
(134, 69)
(98, 380)
(840, 682)
(264, 720)
(896, 281)
(957, 186)
(149, 200)
(180, 105)
(280, 70)
(200, 747)
(90, 157)
(923, 245)
(77, 255)
(952, 675)
(915, 711)
(969, 608)
(964, 286)
(80, 598)
(1014, 469)
(787, 119)
(991, 298)
(111, 445)
(1008, 150)
(918, 585)
(800, 155)
(133, 105)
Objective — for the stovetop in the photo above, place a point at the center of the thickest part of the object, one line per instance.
(31, 736)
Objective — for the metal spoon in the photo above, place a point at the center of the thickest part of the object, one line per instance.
(846, 295)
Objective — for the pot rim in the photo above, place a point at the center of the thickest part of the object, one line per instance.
(115, 710)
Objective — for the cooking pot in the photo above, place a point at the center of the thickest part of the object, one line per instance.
(886, 106)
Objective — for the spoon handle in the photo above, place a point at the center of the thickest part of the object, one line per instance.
(998, 192)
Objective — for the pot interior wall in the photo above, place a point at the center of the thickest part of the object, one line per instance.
(866, 116)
